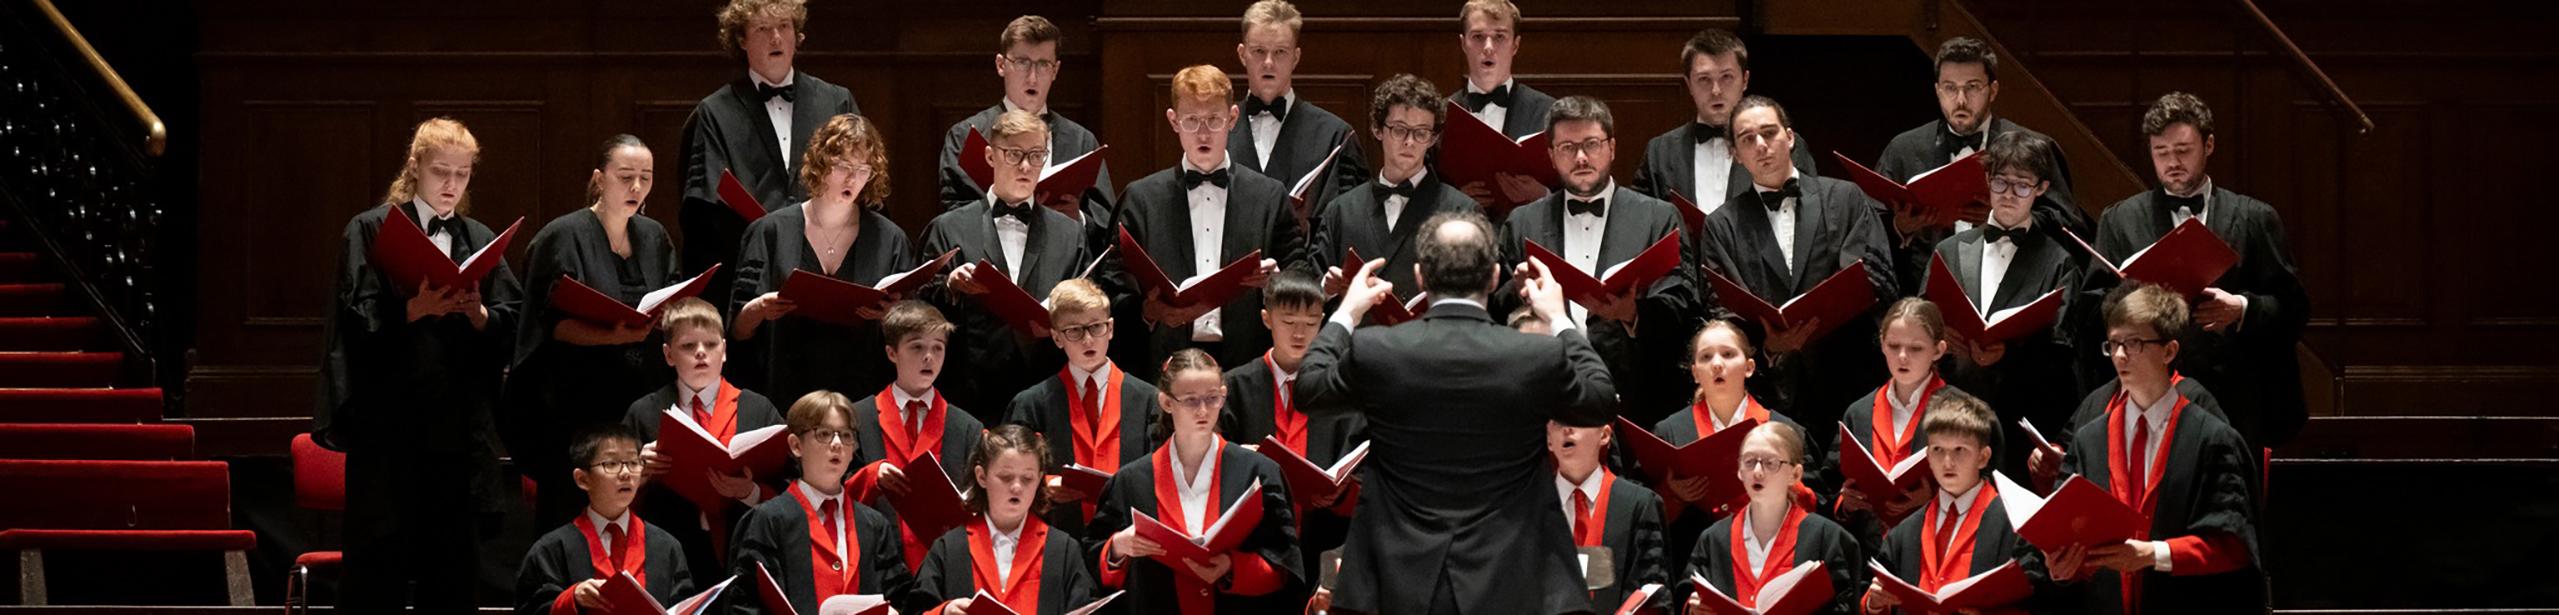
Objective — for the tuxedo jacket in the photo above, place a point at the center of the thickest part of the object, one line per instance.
(683, 518)
(1929, 146)
(1305, 137)
(1670, 164)
(990, 359)
(776, 536)
(560, 560)
(1817, 539)
(1456, 491)
(1151, 584)
(1644, 361)
(1835, 226)
(729, 131)
(1526, 113)
(2033, 379)
(2206, 489)
(1357, 220)
(1067, 140)
(1157, 213)
(1066, 580)
(2252, 367)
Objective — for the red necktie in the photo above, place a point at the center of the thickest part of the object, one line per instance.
(701, 414)
(826, 512)
(2139, 457)
(614, 548)
(1581, 514)
(915, 419)
(1093, 403)
(1946, 532)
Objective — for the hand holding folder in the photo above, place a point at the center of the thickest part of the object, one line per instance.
(403, 252)
(2077, 513)
(1713, 459)
(586, 303)
(833, 301)
(1801, 591)
(1942, 193)
(2187, 259)
(1204, 544)
(629, 597)
(1836, 300)
(2002, 586)
(1309, 483)
(1207, 288)
(758, 454)
(1881, 484)
(1635, 274)
(1472, 151)
(1964, 316)
(932, 506)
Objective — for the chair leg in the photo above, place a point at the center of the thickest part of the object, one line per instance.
(235, 574)
(31, 577)
(294, 598)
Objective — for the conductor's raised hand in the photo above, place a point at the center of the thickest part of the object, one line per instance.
(1366, 290)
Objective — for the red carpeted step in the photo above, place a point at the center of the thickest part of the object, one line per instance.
(31, 299)
(59, 369)
(39, 333)
(79, 405)
(19, 267)
(141, 442)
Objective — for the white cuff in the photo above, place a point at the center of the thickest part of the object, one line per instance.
(2159, 556)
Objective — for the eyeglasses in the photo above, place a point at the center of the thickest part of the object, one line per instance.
(2128, 347)
(1078, 333)
(1204, 402)
(1200, 123)
(2022, 189)
(1967, 89)
(1764, 464)
(827, 436)
(1033, 66)
(1022, 156)
(617, 467)
(1407, 134)
(1592, 145)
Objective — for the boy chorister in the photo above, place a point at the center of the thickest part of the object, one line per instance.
(1608, 511)
(565, 572)
(909, 419)
(1189, 483)
(2011, 261)
(1261, 400)
(696, 348)
(755, 127)
(1095, 414)
(1030, 246)
(813, 539)
(1965, 530)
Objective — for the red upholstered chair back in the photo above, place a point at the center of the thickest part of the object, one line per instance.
(319, 476)
(152, 441)
(116, 495)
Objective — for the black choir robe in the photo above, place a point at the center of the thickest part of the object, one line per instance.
(959, 435)
(1816, 540)
(1066, 140)
(1929, 146)
(1357, 220)
(1305, 136)
(1991, 541)
(2206, 489)
(2251, 367)
(1045, 409)
(1631, 529)
(1670, 164)
(796, 354)
(2034, 379)
(1252, 407)
(557, 388)
(412, 403)
(560, 560)
(1859, 416)
(1066, 580)
(1157, 213)
(989, 361)
(1835, 225)
(776, 536)
(1275, 585)
(684, 520)
(2093, 407)
(1680, 429)
(729, 131)
(1457, 503)
(1644, 360)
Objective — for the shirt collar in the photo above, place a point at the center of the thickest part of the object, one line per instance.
(1901, 405)
(1605, 191)
(1477, 304)
(816, 499)
(426, 212)
(1208, 467)
(1280, 374)
(1416, 179)
(1512, 83)
(709, 395)
(1796, 175)
(1004, 539)
(899, 393)
(1589, 487)
(600, 522)
(1739, 410)
(1986, 120)
(1223, 161)
(786, 79)
(1082, 376)
(1963, 502)
(2156, 414)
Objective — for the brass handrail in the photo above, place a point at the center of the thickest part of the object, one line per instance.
(154, 143)
(2301, 60)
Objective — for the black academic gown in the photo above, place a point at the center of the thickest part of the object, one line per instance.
(1994, 543)
(1643, 360)
(1633, 535)
(1929, 146)
(989, 360)
(558, 388)
(1251, 413)
(776, 536)
(2208, 487)
(559, 560)
(2033, 379)
(412, 403)
(2093, 407)
(1044, 408)
(1157, 214)
(960, 434)
(1357, 220)
(683, 519)
(1859, 416)
(1457, 511)
(1816, 540)
(1066, 579)
(1150, 583)
(2252, 368)
(1306, 135)
(729, 130)
(1066, 140)
(1670, 164)
(796, 354)
(1680, 429)
(1834, 227)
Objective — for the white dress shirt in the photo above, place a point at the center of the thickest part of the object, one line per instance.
(1995, 258)
(1582, 235)
(1005, 544)
(1194, 492)
(914, 423)
(1904, 409)
(1782, 221)
(443, 240)
(1395, 203)
(1282, 375)
(1013, 236)
(1963, 506)
(778, 109)
(1720, 423)
(1266, 129)
(1714, 173)
(1494, 114)
(1753, 546)
(1589, 487)
(817, 501)
(600, 523)
(1085, 379)
(2155, 414)
(1208, 234)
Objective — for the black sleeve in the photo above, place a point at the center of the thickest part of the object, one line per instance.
(1275, 539)
(887, 552)
(1650, 563)
(541, 578)
(1847, 570)
(1590, 396)
(751, 548)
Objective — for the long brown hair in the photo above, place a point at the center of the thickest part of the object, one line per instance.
(996, 442)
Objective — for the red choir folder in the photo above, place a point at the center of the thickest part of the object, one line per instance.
(987, 604)
(1297, 196)
(1798, 592)
(402, 251)
(1688, 212)
(2077, 513)
(734, 193)
(1473, 151)
(1211, 288)
(1016, 306)
(2041, 442)
(1881, 484)
(2187, 259)
(588, 304)
(1072, 177)
(834, 301)
(1220, 537)
(2002, 586)
(629, 597)
(1714, 458)
(856, 604)
(1835, 301)
(1964, 316)
(1309, 483)
(1636, 273)
(1946, 190)
(1388, 313)
(932, 505)
(759, 453)
(1635, 599)
(1084, 479)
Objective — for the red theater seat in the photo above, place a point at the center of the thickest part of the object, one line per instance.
(98, 441)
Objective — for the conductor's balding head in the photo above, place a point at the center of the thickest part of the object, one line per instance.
(1457, 259)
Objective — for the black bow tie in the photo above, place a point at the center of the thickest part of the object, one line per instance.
(1404, 189)
(1278, 109)
(1023, 212)
(1191, 179)
(1774, 199)
(765, 93)
(1991, 234)
(1475, 101)
(451, 227)
(1701, 133)
(1594, 207)
(1954, 145)
(2182, 205)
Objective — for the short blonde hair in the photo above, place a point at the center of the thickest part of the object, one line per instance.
(1077, 295)
(809, 413)
(1202, 83)
(1273, 13)
(1497, 9)
(2149, 306)
(845, 136)
(431, 135)
(1032, 29)
(690, 313)
(1016, 123)
(735, 17)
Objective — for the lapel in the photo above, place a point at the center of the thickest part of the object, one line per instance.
(1034, 243)
(1243, 213)
(1968, 254)
(806, 116)
(1621, 521)
(1239, 141)
(2169, 501)
(1053, 593)
(1993, 541)
(1423, 204)
(1177, 234)
(2026, 268)
(1737, 183)
(2218, 217)
(2155, 217)
(1808, 232)
(1769, 278)
(1682, 169)
(982, 233)
(1549, 229)
(1134, 408)
(1231, 482)
(1283, 145)
(798, 574)
(767, 150)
